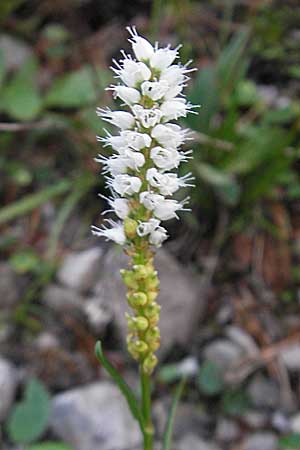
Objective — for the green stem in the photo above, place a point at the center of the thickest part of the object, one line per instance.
(148, 431)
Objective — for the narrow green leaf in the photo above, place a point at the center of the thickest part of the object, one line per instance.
(167, 439)
(230, 62)
(123, 386)
(32, 201)
(205, 92)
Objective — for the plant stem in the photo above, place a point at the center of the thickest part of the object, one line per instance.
(146, 410)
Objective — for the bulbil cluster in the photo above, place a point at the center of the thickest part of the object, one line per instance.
(142, 175)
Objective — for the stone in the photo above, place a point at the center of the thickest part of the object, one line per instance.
(16, 52)
(243, 339)
(98, 315)
(280, 422)
(8, 386)
(193, 442)
(182, 304)
(227, 431)
(61, 299)
(80, 270)
(290, 356)
(295, 423)
(261, 441)
(263, 392)
(9, 287)
(223, 352)
(255, 419)
(94, 416)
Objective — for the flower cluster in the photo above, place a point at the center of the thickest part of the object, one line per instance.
(142, 175)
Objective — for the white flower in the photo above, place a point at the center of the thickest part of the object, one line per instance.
(120, 206)
(147, 117)
(135, 160)
(166, 209)
(132, 72)
(127, 94)
(170, 134)
(136, 140)
(142, 48)
(125, 184)
(173, 109)
(165, 158)
(167, 183)
(121, 119)
(150, 199)
(158, 236)
(163, 58)
(115, 233)
(155, 89)
(145, 228)
(174, 75)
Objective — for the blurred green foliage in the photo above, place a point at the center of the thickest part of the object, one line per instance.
(29, 418)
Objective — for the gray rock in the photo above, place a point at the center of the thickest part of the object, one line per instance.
(263, 392)
(15, 51)
(295, 423)
(193, 442)
(98, 315)
(255, 419)
(227, 431)
(61, 299)
(94, 416)
(8, 386)
(280, 422)
(261, 441)
(80, 270)
(9, 287)
(223, 352)
(182, 305)
(290, 357)
(243, 339)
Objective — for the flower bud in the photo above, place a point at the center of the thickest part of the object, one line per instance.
(149, 364)
(129, 279)
(152, 295)
(142, 271)
(152, 310)
(138, 346)
(130, 227)
(137, 299)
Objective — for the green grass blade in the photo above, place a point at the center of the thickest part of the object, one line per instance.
(123, 386)
(170, 422)
(32, 201)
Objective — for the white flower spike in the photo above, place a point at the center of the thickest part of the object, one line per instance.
(146, 151)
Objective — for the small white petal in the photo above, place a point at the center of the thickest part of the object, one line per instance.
(173, 109)
(158, 236)
(115, 233)
(155, 89)
(121, 119)
(147, 117)
(142, 48)
(145, 228)
(165, 158)
(120, 206)
(163, 58)
(126, 184)
(170, 135)
(127, 94)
